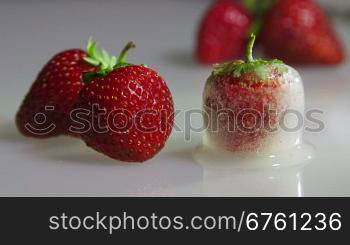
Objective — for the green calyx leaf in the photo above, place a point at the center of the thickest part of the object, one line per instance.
(105, 62)
(88, 76)
(261, 67)
(99, 58)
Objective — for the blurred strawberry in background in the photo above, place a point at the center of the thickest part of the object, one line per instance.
(296, 31)
(223, 32)
(299, 32)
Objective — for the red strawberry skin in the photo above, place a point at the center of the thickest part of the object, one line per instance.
(223, 32)
(57, 87)
(227, 102)
(124, 94)
(299, 32)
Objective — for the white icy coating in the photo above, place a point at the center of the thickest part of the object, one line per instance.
(292, 97)
(212, 157)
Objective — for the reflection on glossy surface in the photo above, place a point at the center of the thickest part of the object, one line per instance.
(253, 182)
(228, 174)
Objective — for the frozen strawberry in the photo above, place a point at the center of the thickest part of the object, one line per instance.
(298, 31)
(243, 103)
(130, 109)
(223, 32)
(45, 111)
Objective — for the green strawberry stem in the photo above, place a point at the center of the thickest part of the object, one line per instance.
(249, 52)
(123, 54)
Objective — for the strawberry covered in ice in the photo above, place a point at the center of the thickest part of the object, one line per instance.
(246, 104)
(223, 32)
(129, 109)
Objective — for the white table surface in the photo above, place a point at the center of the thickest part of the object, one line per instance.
(32, 31)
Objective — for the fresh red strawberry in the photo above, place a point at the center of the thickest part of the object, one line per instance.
(298, 31)
(46, 108)
(242, 101)
(136, 110)
(223, 32)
